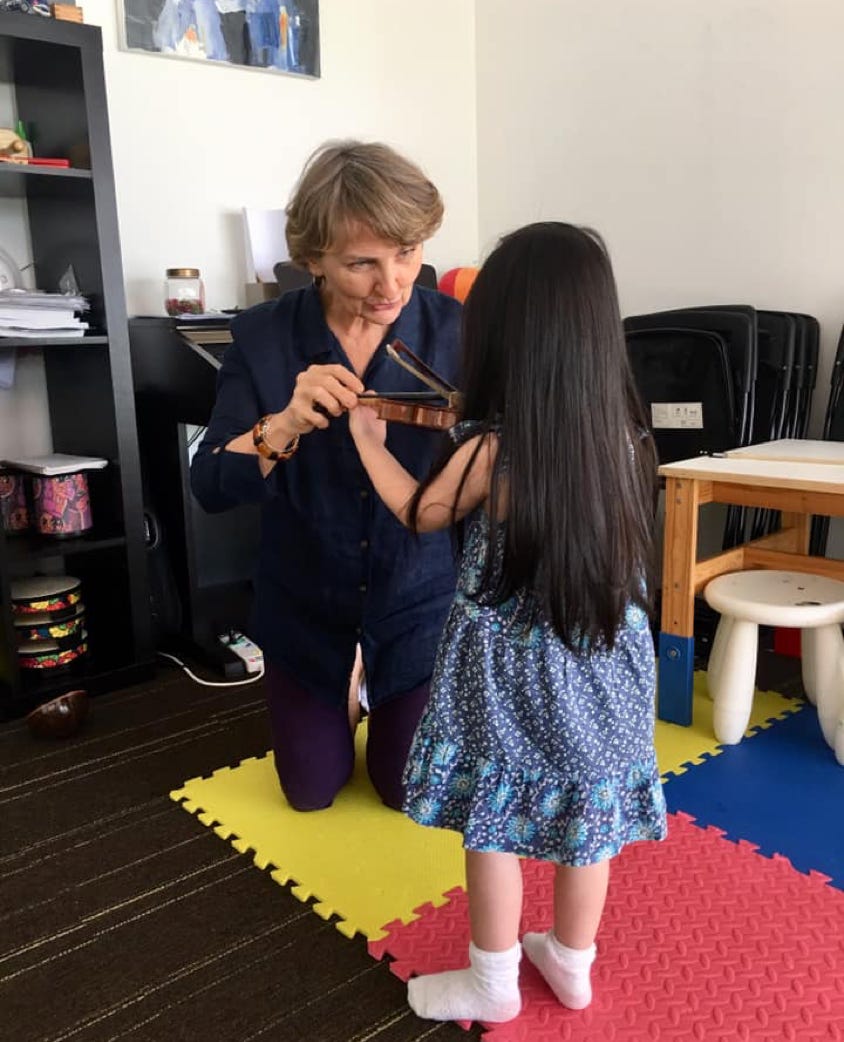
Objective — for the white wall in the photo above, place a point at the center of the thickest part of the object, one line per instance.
(194, 143)
(705, 140)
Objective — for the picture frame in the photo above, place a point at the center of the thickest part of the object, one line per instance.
(271, 35)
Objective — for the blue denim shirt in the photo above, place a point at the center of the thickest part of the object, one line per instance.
(335, 566)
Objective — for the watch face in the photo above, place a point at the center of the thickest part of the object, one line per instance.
(10, 273)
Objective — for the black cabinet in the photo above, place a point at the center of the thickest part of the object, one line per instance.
(54, 73)
(201, 564)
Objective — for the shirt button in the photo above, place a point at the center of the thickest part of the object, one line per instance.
(364, 492)
(364, 544)
(362, 587)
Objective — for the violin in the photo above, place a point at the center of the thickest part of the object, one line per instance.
(400, 408)
(437, 409)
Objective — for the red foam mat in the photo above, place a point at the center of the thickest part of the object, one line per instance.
(702, 939)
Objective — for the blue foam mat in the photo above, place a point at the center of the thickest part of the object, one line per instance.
(781, 790)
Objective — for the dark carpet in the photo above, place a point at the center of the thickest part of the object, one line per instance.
(122, 917)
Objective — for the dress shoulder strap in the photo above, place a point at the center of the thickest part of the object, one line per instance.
(466, 429)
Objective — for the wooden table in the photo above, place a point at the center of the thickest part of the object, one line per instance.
(797, 489)
(797, 450)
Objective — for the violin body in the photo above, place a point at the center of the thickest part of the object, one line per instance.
(417, 414)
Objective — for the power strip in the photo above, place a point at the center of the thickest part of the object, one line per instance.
(240, 645)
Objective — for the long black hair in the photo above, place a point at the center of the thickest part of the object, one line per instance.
(545, 365)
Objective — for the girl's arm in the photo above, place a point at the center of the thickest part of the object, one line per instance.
(396, 486)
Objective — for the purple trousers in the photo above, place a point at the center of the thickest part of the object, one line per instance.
(314, 745)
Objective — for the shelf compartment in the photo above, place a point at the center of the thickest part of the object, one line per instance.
(52, 341)
(53, 80)
(23, 551)
(19, 181)
(92, 674)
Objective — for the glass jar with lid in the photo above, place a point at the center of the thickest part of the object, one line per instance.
(184, 293)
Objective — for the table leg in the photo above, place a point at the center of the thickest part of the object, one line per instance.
(800, 526)
(676, 640)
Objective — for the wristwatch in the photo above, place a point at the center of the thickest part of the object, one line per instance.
(263, 447)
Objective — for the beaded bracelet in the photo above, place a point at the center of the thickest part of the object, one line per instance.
(263, 447)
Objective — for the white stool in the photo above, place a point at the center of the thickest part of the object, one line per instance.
(747, 600)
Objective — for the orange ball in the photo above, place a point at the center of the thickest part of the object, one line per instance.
(457, 282)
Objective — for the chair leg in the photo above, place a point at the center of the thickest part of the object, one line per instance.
(735, 681)
(823, 652)
(809, 662)
(716, 652)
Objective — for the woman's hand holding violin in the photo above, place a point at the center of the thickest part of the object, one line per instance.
(322, 391)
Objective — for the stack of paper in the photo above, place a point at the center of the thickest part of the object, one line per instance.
(37, 315)
(55, 463)
(211, 328)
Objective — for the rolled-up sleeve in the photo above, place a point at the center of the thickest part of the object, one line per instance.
(221, 479)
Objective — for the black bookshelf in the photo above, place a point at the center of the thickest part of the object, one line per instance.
(46, 341)
(55, 73)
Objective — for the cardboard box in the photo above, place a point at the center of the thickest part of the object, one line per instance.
(66, 12)
(258, 292)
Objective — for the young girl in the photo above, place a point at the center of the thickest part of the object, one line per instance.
(538, 737)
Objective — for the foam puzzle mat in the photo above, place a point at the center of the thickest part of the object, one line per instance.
(702, 938)
(359, 860)
(757, 791)
(362, 862)
(679, 747)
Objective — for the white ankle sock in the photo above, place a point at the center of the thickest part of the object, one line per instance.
(488, 990)
(566, 970)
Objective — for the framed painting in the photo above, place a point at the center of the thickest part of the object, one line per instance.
(277, 35)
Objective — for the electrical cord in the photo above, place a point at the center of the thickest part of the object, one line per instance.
(211, 683)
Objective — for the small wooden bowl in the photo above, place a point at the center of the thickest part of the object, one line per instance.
(61, 717)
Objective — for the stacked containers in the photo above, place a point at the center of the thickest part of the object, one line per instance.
(49, 620)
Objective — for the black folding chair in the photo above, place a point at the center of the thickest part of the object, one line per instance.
(777, 335)
(777, 342)
(684, 379)
(833, 426)
(737, 323)
(833, 430)
(805, 372)
(736, 326)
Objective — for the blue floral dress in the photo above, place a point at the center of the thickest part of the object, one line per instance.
(526, 746)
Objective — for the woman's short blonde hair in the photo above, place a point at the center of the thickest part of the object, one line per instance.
(348, 183)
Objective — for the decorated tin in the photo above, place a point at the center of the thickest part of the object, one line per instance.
(55, 595)
(61, 505)
(40, 626)
(47, 655)
(14, 508)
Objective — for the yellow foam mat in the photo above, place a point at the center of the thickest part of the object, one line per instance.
(357, 859)
(366, 864)
(679, 747)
